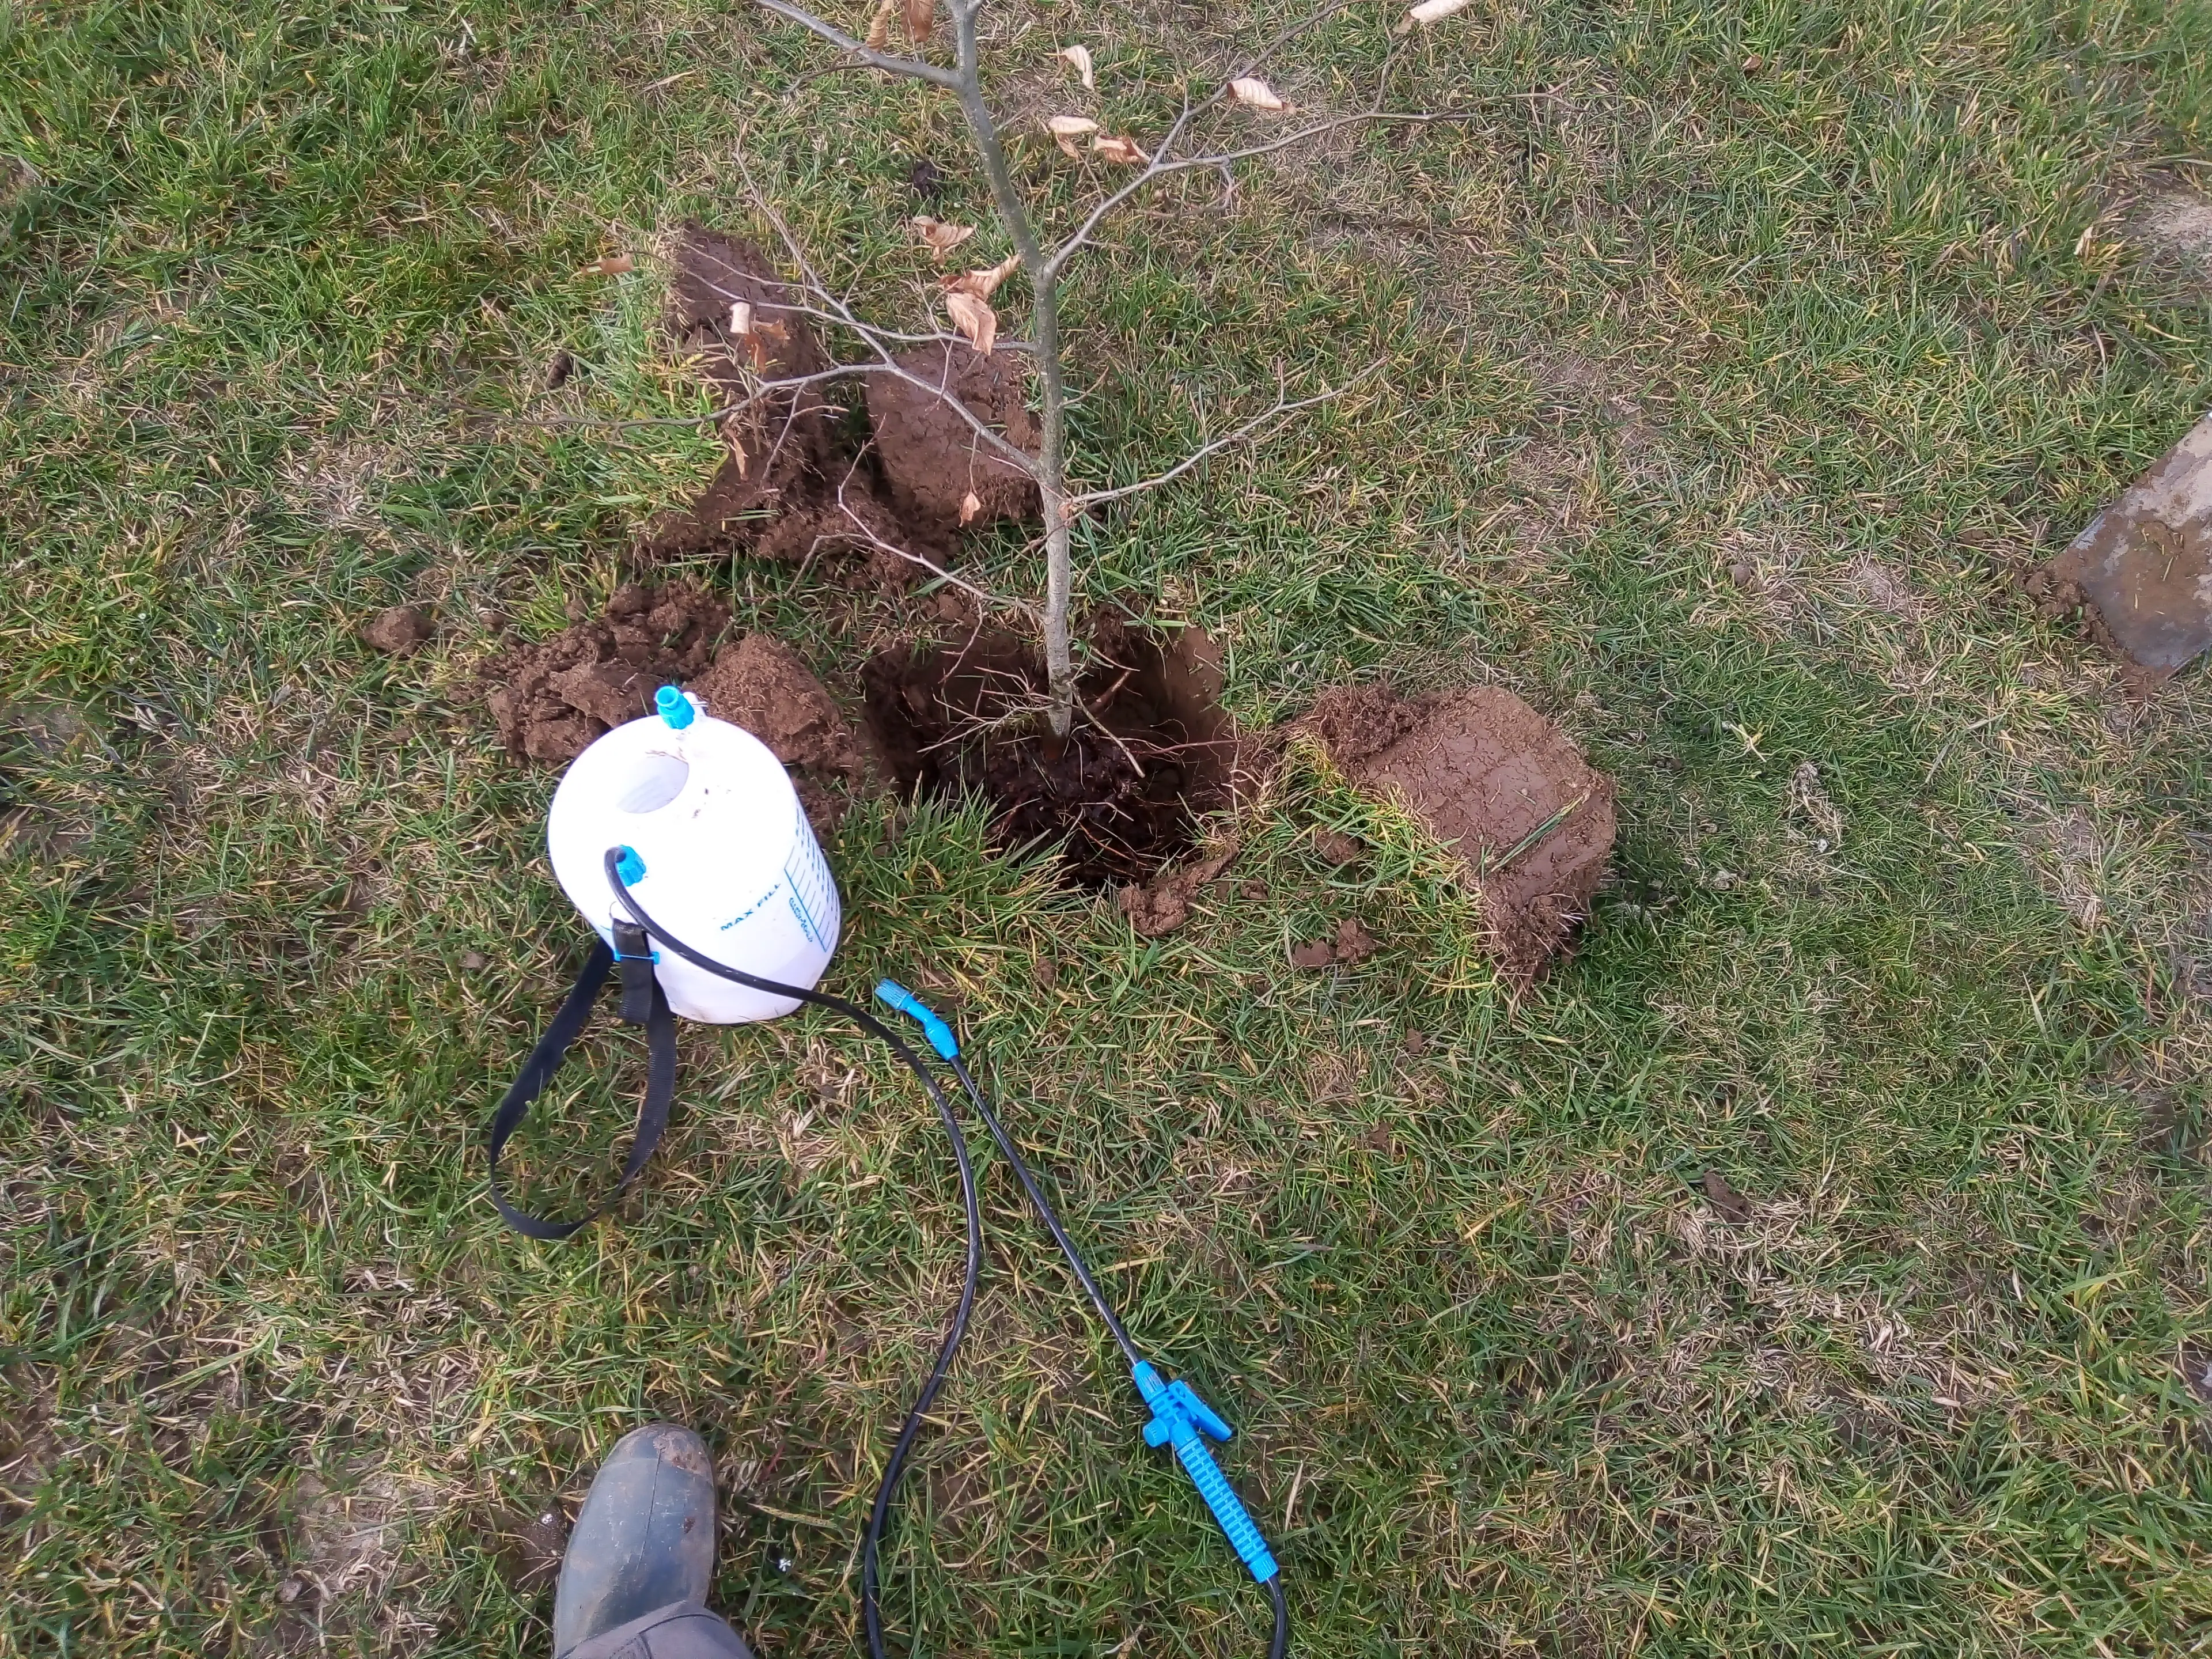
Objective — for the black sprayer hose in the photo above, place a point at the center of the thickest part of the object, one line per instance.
(895, 1467)
(1046, 1213)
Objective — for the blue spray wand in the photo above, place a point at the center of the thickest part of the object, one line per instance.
(1180, 1419)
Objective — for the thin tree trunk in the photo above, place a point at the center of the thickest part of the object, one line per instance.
(1052, 444)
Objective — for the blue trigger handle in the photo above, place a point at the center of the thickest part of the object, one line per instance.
(1179, 1418)
(895, 995)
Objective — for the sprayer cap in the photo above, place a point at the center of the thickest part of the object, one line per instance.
(674, 707)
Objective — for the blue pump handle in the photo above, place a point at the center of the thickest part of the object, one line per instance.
(1179, 1418)
(896, 995)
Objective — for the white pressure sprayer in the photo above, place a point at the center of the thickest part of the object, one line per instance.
(681, 841)
(718, 846)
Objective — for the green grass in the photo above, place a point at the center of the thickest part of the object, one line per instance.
(1726, 406)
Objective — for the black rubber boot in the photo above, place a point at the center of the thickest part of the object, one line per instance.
(641, 1557)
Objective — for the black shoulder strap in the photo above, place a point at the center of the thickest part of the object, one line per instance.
(643, 1004)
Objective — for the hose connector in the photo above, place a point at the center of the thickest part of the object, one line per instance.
(890, 992)
(673, 707)
(1179, 1418)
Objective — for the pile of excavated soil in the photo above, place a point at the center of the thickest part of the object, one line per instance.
(1530, 820)
(1120, 796)
(762, 684)
(795, 483)
(780, 447)
(932, 457)
(552, 699)
(2140, 573)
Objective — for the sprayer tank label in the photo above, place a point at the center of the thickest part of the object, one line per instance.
(813, 894)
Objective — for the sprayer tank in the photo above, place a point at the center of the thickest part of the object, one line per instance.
(732, 867)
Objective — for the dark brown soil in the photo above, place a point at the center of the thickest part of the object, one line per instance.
(796, 483)
(1121, 795)
(553, 698)
(1492, 779)
(933, 460)
(397, 631)
(2141, 574)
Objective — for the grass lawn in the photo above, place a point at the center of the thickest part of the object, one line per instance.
(1743, 354)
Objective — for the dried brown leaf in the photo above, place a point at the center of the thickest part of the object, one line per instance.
(1255, 93)
(1116, 149)
(1067, 128)
(921, 19)
(1080, 57)
(613, 265)
(983, 284)
(970, 505)
(974, 317)
(940, 237)
(879, 26)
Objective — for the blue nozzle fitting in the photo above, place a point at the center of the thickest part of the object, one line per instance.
(630, 867)
(896, 995)
(1179, 1418)
(673, 706)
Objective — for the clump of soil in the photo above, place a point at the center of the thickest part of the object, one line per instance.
(397, 631)
(1352, 945)
(795, 482)
(762, 684)
(1732, 1205)
(1159, 910)
(1121, 793)
(932, 459)
(2141, 574)
(1336, 847)
(1489, 777)
(780, 448)
(553, 698)
(556, 697)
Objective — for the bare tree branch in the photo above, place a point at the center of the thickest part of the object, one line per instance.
(1165, 163)
(911, 67)
(1155, 170)
(1047, 351)
(1048, 467)
(1283, 406)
